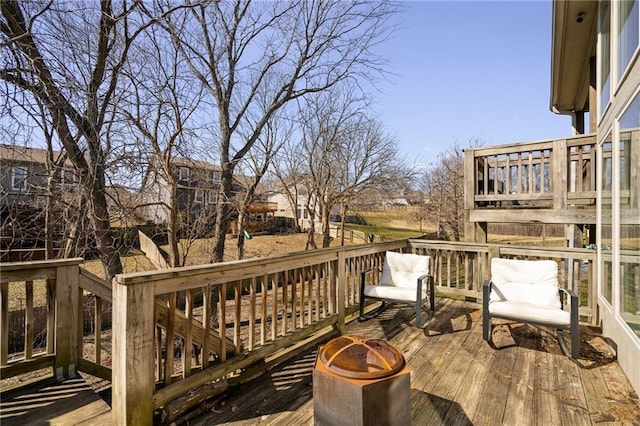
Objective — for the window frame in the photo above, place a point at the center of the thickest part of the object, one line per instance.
(22, 184)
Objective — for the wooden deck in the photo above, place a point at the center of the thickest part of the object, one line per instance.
(456, 379)
(49, 402)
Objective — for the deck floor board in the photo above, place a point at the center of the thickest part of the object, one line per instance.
(459, 379)
(456, 379)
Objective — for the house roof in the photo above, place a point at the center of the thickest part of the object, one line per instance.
(26, 154)
(194, 164)
(573, 45)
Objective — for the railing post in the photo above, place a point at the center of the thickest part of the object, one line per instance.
(66, 320)
(559, 166)
(494, 251)
(133, 357)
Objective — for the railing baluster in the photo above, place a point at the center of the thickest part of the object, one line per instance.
(303, 283)
(187, 352)
(51, 316)
(318, 302)
(206, 325)
(28, 321)
(263, 316)
(222, 320)
(169, 340)
(252, 313)
(4, 323)
(285, 302)
(97, 338)
(159, 365)
(310, 294)
(237, 319)
(274, 305)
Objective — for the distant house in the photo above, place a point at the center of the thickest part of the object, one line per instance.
(260, 212)
(24, 175)
(28, 176)
(197, 187)
(298, 209)
(124, 206)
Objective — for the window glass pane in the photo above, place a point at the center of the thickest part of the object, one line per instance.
(19, 178)
(630, 216)
(627, 33)
(606, 230)
(604, 47)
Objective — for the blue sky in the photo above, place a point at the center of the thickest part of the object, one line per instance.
(472, 69)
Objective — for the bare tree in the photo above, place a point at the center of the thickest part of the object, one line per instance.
(282, 50)
(69, 56)
(277, 131)
(345, 154)
(443, 184)
(160, 103)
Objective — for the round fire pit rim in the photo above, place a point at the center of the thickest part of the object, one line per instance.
(392, 364)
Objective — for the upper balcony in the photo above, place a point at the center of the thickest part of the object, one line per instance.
(544, 182)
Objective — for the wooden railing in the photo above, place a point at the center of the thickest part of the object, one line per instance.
(550, 174)
(265, 305)
(462, 268)
(162, 350)
(59, 345)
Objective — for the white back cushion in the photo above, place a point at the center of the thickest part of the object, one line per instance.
(528, 281)
(403, 269)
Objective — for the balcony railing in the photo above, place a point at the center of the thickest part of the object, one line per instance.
(162, 350)
(553, 175)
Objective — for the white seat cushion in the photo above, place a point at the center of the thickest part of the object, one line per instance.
(403, 269)
(532, 282)
(524, 271)
(528, 312)
(403, 294)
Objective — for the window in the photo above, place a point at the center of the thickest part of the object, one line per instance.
(216, 176)
(627, 34)
(629, 139)
(199, 196)
(183, 173)
(212, 197)
(303, 213)
(604, 47)
(19, 178)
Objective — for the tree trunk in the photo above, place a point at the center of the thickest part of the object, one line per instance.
(240, 238)
(105, 241)
(172, 227)
(343, 218)
(326, 238)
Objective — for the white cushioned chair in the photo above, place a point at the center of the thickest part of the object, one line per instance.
(405, 279)
(527, 291)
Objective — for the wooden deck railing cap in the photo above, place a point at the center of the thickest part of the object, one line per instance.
(16, 266)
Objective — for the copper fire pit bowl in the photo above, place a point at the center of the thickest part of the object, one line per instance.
(361, 382)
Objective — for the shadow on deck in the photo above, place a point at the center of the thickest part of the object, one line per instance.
(49, 402)
(456, 377)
